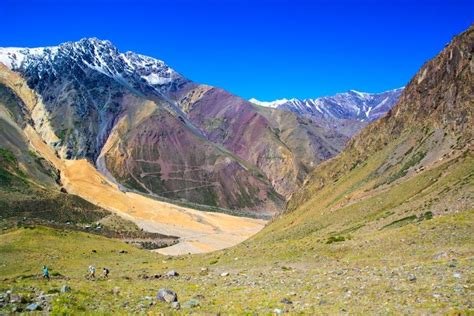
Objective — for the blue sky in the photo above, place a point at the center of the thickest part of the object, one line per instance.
(264, 49)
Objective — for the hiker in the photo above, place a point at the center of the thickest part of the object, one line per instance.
(105, 272)
(45, 272)
(91, 272)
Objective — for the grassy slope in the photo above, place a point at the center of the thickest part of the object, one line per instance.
(292, 255)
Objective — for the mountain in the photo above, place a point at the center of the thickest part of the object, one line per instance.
(351, 105)
(151, 130)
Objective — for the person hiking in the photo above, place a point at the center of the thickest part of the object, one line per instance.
(45, 272)
(91, 272)
(105, 272)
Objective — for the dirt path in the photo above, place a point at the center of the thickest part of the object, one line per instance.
(199, 231)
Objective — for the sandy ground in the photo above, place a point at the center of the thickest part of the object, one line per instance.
(199, 231)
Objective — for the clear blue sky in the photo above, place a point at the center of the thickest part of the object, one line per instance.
(263, 49)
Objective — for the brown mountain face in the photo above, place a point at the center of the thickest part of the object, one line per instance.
(238, 126)
(150, 151)
(430, 130)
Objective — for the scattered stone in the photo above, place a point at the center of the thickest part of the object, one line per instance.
(411, 277)
(440, 255)
(167, 296)
(278, 311)
(224, 274)
(172, 273)
(457, 275)
(33, 307)
(286, 301)
(191, 303)
(175, 305)
(292, 294)
(204, 271)
(65, 289)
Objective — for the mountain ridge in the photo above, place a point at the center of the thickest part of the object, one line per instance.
(350, 105)
(101, 104)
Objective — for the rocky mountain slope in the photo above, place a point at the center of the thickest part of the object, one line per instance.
(121, 111)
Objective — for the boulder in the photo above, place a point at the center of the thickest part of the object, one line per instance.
(172, 273)
(167, 296)
(65, 289)
(33, 307)
(16, 298)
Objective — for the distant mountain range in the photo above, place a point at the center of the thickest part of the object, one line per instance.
(150, 129)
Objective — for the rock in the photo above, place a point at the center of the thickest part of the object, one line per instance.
(191, 303)
(224, 274)
(172, 273)
(278, 311)
(292, 294)
(175, 305)
(167, 296)
(286, 301)
(204, 271)
(411, 277)
(457, 275)
(65, 289)
(440, 255)
(33, 307)
(16, 298)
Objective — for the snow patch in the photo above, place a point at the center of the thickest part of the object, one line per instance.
(155, 79)
(269, 104)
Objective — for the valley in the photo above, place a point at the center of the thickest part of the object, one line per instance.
(361, 207)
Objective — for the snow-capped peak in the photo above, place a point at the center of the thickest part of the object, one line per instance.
(93, 53)
(353, 105)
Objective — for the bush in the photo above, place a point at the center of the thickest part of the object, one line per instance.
(335, 239)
